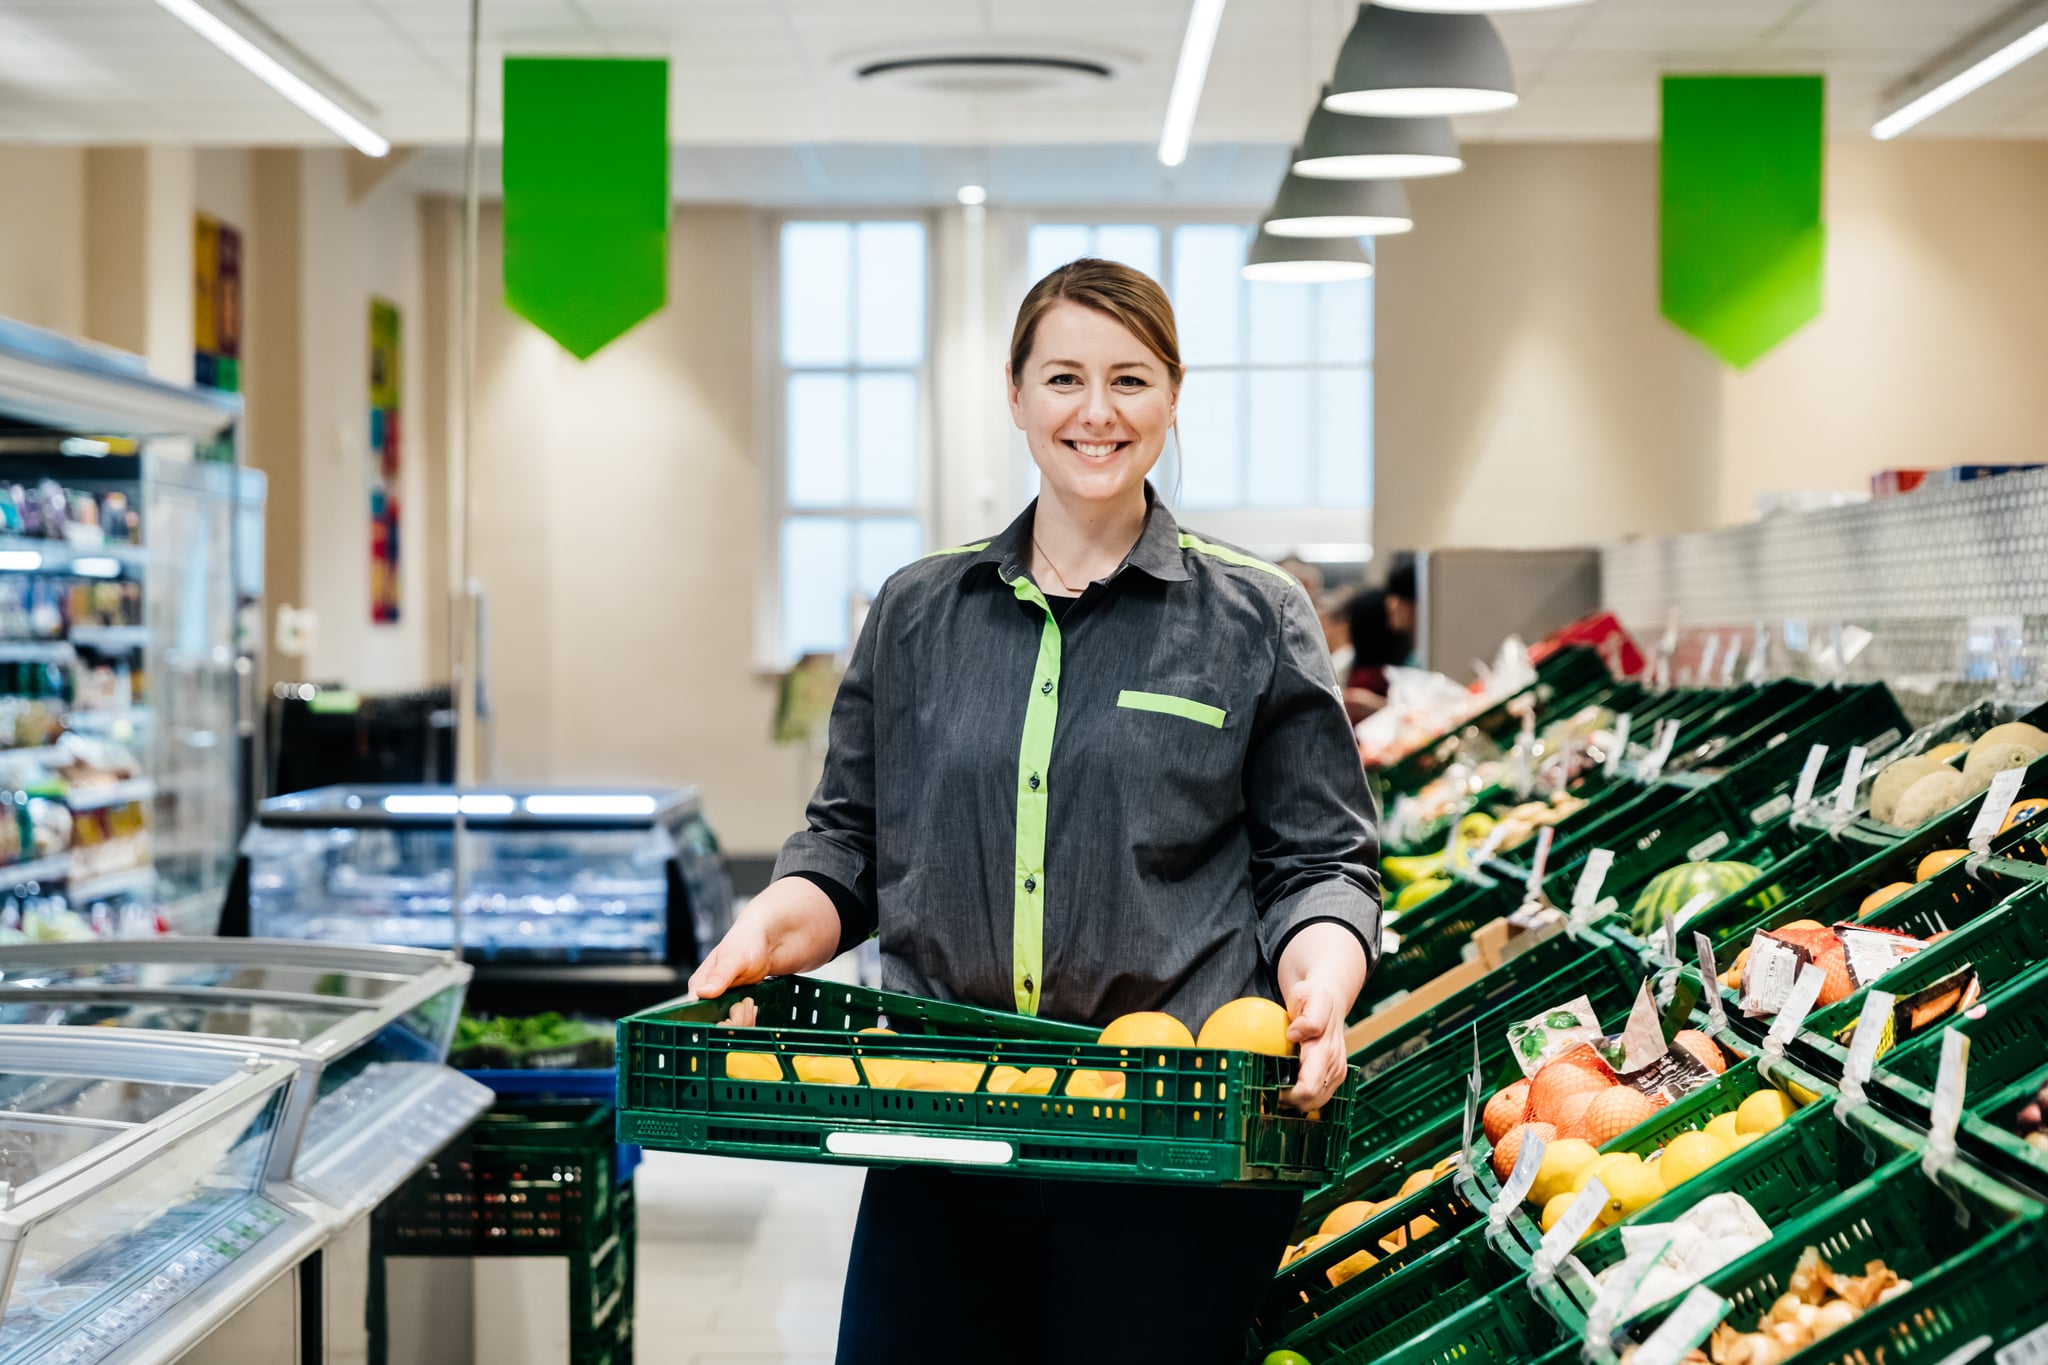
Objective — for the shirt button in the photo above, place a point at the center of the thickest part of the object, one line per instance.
(1031, 883)
(1046, 687)
(1034, 781)
(1028, 986)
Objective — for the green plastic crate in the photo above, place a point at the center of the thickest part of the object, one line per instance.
(1435, 942)
(1398, 1309)
(2008, 1033)
(529, 1176)
(1769, 768)
(1505, 1327)
(1191, 1115)
(1972, 1247)
(1976, 719)
(1751, 714)
(1302, 1291)
(1567, 673)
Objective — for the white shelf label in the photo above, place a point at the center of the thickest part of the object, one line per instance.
(1614, 757)
(1698, 1314)
(1708, 847)
(1870, 1030)
(1781, 804)
(1852, 776)
(1949, 1084)
(1710, 979)
(1710, 655)
(1728, 664)
(1809, 776)
(2031, 1349)
(1527, 1162)
(1587, 893)
(1667, 736)
(1805, 991)
(1541, 860)
(1759, 654)
(1571, 1225)
(1997, 806)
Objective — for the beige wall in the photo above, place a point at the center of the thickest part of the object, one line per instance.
(42, 237)
(1529, 392)
(619, 526)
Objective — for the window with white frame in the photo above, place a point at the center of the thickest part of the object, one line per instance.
(853, 361)
(1276, 405)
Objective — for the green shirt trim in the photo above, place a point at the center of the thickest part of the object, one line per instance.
(1229, 556)
(1166, 704)
(956, 550)
(1034, 764)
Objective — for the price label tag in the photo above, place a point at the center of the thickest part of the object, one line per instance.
(1618, 1287)
(1674, 923)
(1663, 678)
(1809, 777)
(1728, 663)
(1667, 735)
(1949, 1082)
(1525, 756)
(1805, 991)
(1542, 859)
(1587, 893)
(1527, 1162)
(2031, 1349)
(1997, 806)
(1615, 755)
(1486, 849)
(1571, 1225)
(1759, 654)
(1708, 847)
(1710, 982)
(1852, 777)
(1710, 655)
(1698, 1314)
(1669, 644)
(1870, 1030)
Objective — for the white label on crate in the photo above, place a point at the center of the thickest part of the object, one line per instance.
(1390, 942)
(2031, 1349)
(1873, 952)
(1710, 983)
(1809, 775)
(1587, 893)
(1781, 804)
(1799, 1004)
(1662, 681)
(1527, 1162)
(1615, 755)
(1997, 806)
(1852, 776)
(1699, 1313)
(1728, 664)
(910, 1147)
(1947, 1109)
(1571, 1225)
(1542, 859)
(1852, 641)
(1877, 1011)
(1667, 735)
(1618, 1287)
(1759, 655)
(1710, 655)
(1708, 847)
(1767, 979)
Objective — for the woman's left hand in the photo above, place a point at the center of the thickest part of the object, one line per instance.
(1317, 1027)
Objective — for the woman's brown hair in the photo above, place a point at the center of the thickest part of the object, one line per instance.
(1130, 296)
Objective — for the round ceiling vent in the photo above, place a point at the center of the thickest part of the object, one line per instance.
(980, 66)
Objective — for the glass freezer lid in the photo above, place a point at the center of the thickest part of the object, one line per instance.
(288, 978)
(225, 1018)
(481, 808)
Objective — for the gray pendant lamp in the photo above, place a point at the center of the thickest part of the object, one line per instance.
(1339, 208)
(1401, 64)
(1347, 147)
(1306, 260)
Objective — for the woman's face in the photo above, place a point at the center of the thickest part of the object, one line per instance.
(1094, 403)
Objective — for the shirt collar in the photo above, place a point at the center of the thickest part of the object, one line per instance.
(1157, 553)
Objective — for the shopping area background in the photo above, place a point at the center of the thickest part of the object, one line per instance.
(419, 620)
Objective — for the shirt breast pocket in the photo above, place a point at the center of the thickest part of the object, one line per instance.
(1179, 759)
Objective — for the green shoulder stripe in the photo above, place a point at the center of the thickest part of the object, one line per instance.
(956, 550)
(1229, 556)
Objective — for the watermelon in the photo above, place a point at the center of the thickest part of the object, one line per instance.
(1673, 889)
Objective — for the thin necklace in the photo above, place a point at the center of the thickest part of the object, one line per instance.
(1071, 589)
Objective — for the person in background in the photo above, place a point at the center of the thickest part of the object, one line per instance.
(1376, 646)
(1333, 609)
(1400, 595)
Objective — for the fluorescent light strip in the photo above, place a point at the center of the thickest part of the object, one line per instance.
(97, 566)
(589, 805)
(21, 561)
(1970, 78)
(278, 76)
(420, 805)
(1195, 48)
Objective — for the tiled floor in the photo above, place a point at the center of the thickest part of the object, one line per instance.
(741, 1262)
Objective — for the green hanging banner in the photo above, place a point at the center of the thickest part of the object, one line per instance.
(586, 195)
(1742, 240)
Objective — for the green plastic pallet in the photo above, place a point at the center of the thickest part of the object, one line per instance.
(1189, 1116)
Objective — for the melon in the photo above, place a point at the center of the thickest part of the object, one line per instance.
(1893, 782)
(2002, 747)
(1671, 890)
(1929, 797)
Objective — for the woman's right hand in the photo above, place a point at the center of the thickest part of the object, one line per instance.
(790, 927)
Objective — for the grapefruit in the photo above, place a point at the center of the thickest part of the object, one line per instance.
(752, 1066)
(1937, 860)
(1614, 1112)
(1249, 1024)
(1879, 898)
(1701, 1046)
(1148, 1028)
(1558, 1081)
(1506, 1109)
(1510, 1145)
(826, 1071)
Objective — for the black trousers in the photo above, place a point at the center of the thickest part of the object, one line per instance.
(951, 1268)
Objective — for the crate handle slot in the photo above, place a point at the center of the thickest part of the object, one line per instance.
(910, 1147)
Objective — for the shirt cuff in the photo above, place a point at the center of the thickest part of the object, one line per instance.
(852, 915)
(1336, 900)
(840, 874)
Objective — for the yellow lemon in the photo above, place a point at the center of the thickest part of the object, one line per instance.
(752, 1066)
(1562, 1162)
(1763, 1111)
(1008, 1080)
(1584, 1177)
(1357, 1263)
(1345, 1217)
(1249, 1024)
(1146, 1029)
(1554, 1208)
(960, 1076)
(827, 1071)
(1723, 1127)
(1095, 1085)
(1686, 1155)
(1631, 1187)
(1744, 1139)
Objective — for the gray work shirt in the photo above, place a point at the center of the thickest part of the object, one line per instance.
(1132, 808)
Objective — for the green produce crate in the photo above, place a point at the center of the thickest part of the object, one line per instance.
(1769, 769)
(1393, 1311)
(1977, 719)
(529, 1177)
(1193, 1115)
(2008, 1034)
(1434, 941)
(1753, 713)
(1302, 1291)
(1569, 672)
(1971, 1246)
(1505, 1327)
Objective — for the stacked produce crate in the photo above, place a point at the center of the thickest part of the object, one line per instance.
(1814, 1200)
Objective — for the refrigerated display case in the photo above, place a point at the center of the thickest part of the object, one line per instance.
(137, 1219)
(130, 639)
(576, 900)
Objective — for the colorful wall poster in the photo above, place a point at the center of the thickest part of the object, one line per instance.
(216, 305)
(385, 428)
